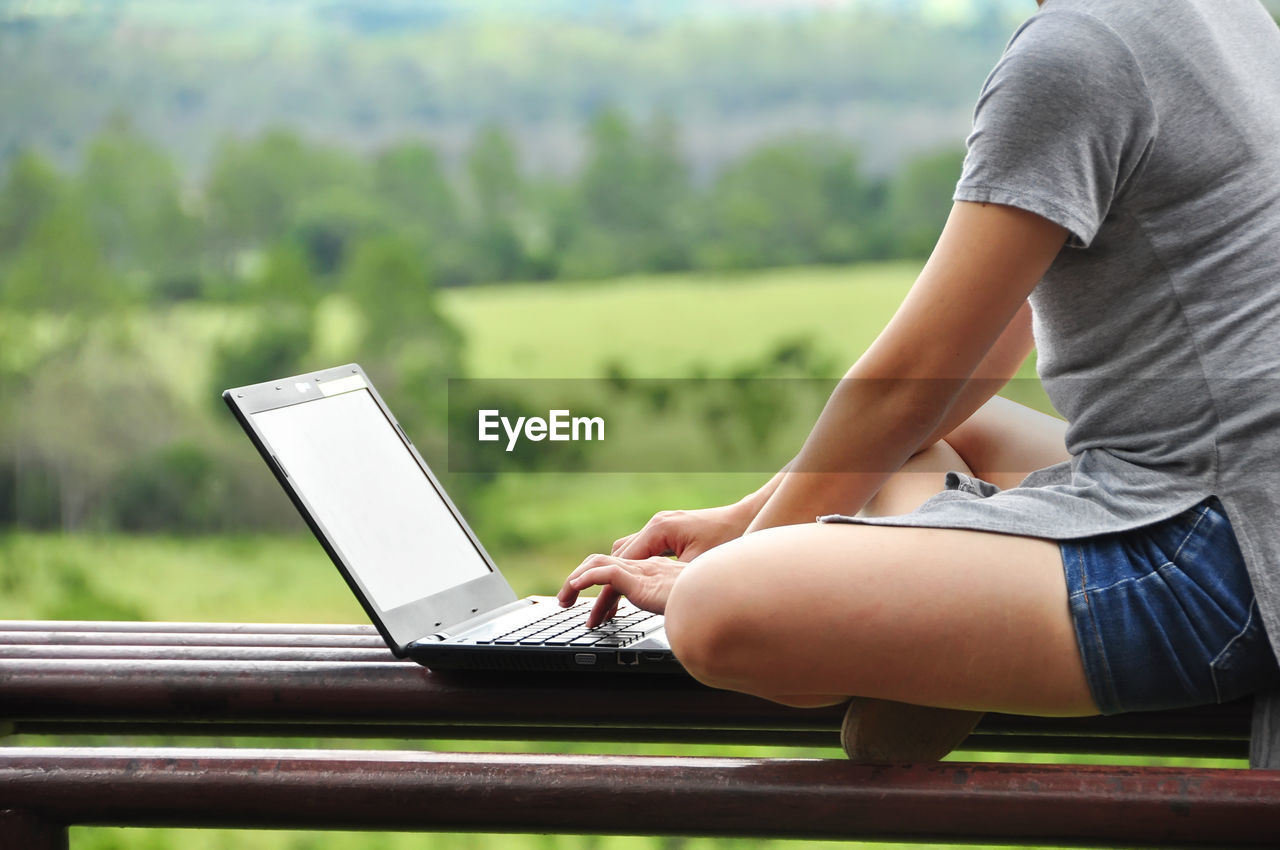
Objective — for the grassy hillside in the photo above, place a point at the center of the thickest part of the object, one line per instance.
(661, 327)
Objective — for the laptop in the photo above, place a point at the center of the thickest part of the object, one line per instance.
(403, 547)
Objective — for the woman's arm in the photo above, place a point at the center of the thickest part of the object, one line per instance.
(917, 380)
(997, 369)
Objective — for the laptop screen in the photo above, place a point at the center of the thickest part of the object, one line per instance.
(381, 511)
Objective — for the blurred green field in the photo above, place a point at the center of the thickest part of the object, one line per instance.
(537, 525)
(665, 326)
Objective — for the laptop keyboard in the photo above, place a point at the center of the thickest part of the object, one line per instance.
(568, 627)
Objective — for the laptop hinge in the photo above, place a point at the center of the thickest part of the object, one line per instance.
(469, 624)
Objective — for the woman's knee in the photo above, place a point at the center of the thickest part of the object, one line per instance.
(922, 476)
(713, 616)
(698, 620)
(728, 609)
(1005, 441)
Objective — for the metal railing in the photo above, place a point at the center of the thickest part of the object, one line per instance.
(320, 681)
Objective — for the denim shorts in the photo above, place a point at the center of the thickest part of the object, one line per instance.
(1165, 615)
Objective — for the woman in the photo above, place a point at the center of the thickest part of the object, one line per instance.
(1120, 205)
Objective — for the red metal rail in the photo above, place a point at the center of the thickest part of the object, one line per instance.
(272, 679)
(1057, 804)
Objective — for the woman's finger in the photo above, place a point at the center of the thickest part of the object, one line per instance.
(568, 593)
(614, 574)
(656, 538)
(691, 551)
(606, 606)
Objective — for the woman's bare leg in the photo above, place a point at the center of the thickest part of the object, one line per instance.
(956, 619)
(1002, 443)
(1005, 441)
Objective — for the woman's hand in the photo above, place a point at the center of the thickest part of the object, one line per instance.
(647, 583)
(686, 534)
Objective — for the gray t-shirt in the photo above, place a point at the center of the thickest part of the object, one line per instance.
(1152, 133)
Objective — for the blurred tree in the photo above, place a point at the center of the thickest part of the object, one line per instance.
(280, 327)
(633, 203)
(175, 488)
(497, 193)
(285, 280)
(409, 180)
(31, 191)
(671, 198)
(411, 187)
(274, 345)
(91, 406)
(919, 200)
(60, 267)
(327, 224)
(409, 345)
(787, 203)
(391, 286)
(256, 188)
(132, 196)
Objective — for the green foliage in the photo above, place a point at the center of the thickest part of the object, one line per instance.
(790, 203)
(131, 195)
(919, 198)
(631, 202)
(328, 223)
(409, 183)
(30, 193)
(29, 496)
(256, 189)
(60, 267)
(285, 280)
(390, 283)
(896, 76)
(178, 488)
(78, 599)
(297, 234)
(124, 231)
(498, 197)
(91, 403)
(274, 347)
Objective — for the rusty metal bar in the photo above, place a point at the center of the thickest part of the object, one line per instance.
(1226, 722)
(439, 732)
(24, 830)
(1074, 744)
(333, 690)
(45, 638)
(269, 680)
(320, 691)
(1058, 804)
(201, 628)
(195, 653)
(1108, 745)
(210, 697)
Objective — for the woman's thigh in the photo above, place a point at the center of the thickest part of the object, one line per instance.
(957, 619)
(1005, 441)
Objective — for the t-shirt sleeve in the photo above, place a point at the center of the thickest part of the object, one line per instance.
(1063, 123)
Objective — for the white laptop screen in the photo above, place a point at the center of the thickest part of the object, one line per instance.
(363, 485)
